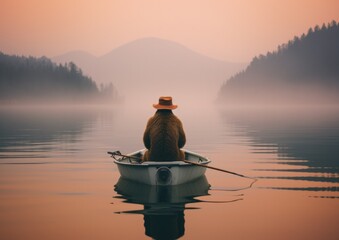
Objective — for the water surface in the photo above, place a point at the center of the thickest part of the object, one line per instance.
(57, 181)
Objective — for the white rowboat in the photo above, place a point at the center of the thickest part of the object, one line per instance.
(162, 173)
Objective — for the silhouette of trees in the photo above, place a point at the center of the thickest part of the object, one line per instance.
(32, 79)
(309, 60)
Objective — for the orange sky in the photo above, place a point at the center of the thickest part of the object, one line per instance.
(224, 29)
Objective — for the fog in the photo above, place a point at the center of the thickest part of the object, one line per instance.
(138, 73)
(145, 69)
(281, 94)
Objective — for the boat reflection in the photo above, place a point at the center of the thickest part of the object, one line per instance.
(164, 206)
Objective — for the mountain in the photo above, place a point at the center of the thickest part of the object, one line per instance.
(39, 80)
(303, 71)
(154, 67)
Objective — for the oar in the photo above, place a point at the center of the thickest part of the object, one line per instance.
(218, 169)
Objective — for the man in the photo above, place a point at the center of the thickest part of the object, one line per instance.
(164, 134)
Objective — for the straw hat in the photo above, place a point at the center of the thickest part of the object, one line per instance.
(165, 103)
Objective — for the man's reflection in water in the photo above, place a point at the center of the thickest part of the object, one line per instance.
(165, 226)
(164, 207)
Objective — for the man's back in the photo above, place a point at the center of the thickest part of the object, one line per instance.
(164, 136)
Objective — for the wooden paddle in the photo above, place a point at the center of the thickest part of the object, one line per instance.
(218, 169)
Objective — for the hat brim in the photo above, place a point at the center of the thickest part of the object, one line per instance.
(159, 106)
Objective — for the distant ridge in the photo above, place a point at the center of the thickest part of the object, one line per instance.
(157, 45)
(157, 66)
(305, 71)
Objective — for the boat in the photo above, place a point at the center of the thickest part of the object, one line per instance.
(161, 173)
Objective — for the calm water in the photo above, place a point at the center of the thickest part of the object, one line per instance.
(57, 182)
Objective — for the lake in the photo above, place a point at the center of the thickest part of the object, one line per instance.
(58, 182)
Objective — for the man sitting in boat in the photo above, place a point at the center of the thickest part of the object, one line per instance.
(164, 134)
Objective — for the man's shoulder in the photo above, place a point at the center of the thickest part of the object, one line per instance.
(175, 117)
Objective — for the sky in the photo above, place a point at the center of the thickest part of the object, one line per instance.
(228, 30)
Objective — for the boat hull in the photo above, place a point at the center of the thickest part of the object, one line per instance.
(162, 173)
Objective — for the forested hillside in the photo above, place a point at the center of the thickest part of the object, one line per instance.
(39, 80)
(305, 70)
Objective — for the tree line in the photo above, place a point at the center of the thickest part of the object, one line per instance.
(310, 61)
(39, 80)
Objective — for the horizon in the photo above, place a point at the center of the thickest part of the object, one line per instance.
(160, 66)
(219, 30)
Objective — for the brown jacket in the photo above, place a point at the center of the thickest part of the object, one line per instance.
(163, 137)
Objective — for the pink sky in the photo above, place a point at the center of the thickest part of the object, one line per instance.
(227, 30)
